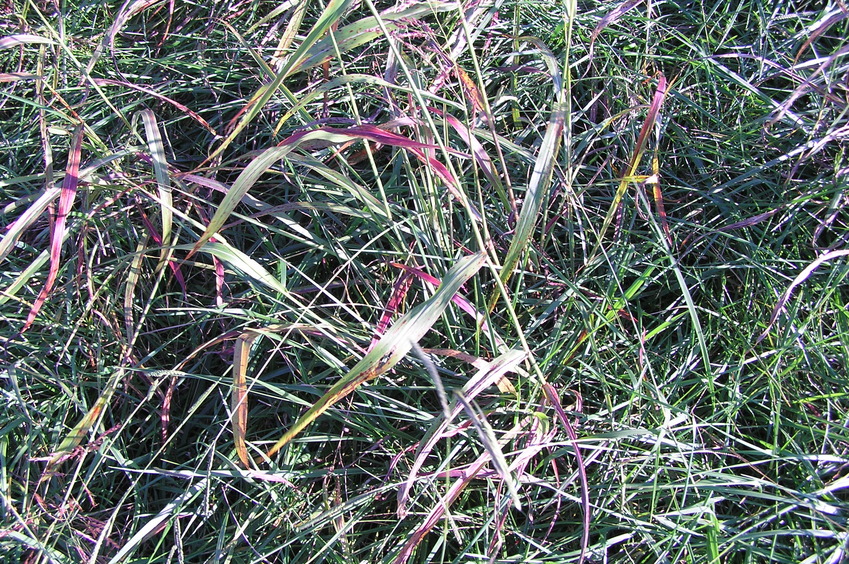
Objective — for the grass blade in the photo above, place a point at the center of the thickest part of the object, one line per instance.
(394, 345)
(57, 232)
(536, 195)
(239, 398)
(800, 278)
(642, 139)
(163, 182)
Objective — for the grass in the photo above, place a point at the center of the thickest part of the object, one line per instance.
(225, 229)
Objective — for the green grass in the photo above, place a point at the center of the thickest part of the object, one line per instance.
(321, 168)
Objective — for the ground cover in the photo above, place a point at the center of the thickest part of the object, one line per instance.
(499, 281)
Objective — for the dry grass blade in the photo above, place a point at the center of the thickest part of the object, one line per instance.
(57, 232)
(394, 345)
(239, 398)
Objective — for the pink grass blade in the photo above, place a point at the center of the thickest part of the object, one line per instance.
(399, 293)
(465, 477)
(312, 139)
(394, 345)
(333, 11)
(554, 399)
(154, 94)
(57, 231)
(10, 41)
(478, 152)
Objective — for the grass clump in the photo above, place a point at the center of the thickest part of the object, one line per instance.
(366, 282)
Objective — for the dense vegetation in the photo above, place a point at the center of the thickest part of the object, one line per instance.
(499, 281)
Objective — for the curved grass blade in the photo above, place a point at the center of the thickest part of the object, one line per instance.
(322, 138)
(800, 278)
(394, 345)
(57, 233)
(488, 374)
(553, 398)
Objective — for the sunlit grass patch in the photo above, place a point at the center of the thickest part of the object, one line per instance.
(366, 282)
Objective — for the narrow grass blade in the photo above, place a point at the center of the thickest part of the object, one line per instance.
(490, 443)
(535, 196)
(478, 152)
(608, 19)
(800, 278)
(157, 521)
(239, 398)
(554, 399)
(73, 439)
(318, 46)
(245, 264)
(163, 182)
(465, 477)
(394, 345)
(149, 92)
(57, 233)
(654, 180)
(458, 299)
(627, 177)
(332, 13)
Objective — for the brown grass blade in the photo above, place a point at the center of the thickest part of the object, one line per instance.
(239, 398)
